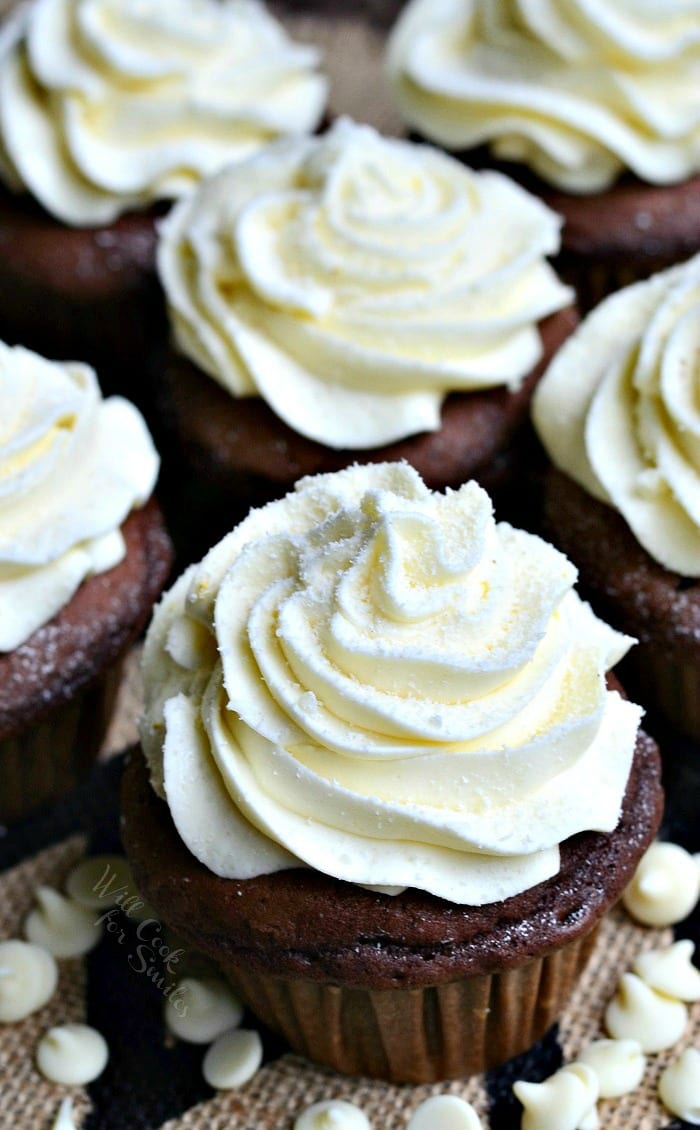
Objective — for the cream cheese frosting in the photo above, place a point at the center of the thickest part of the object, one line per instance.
(72, 467)
(618, 411)
(579, 90)
(110, 105)
(380, 682)
(352, 281)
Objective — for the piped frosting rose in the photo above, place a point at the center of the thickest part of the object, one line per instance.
(352, 281)
(579, 90)
(619, 411)
(110, 105)
(72, 467)
(380, 682)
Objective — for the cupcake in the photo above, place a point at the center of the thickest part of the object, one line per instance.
(618, 414)
(108, 110)
(83, 557)
(351, 297)
(592, 107)
(383, 783)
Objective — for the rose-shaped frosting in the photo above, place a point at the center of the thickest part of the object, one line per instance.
(72, 467)
(619, 411)
(579, 90)
(108, 105)
(352, 281)
(380, 682)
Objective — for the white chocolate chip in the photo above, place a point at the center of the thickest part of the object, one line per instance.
(446, 1112)
(333, 1114)
(671, 971)
(233, 1059)
(200, 1010)
(618, 1064)
(679, 1087)
(28, 977)
(60, 925)
(637, 1012)
(100, 882)
(72, 1054)
(562, 1102)
(665, 887)
(64, 1118)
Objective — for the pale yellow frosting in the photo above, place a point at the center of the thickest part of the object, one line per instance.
(380, 682)
(109, 105)
(618, 411)
(352, 281)
(579, 90)
(72, 467)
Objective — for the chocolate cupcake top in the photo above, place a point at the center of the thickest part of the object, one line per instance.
(72, 467)
(110, 105)
(618, 411)
(352, 281)
(578, 90)
(381, 683)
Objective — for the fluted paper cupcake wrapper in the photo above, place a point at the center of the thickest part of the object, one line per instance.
(417, 1035)
(50, 757)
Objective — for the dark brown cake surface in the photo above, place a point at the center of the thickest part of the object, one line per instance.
(629, 587)
(104, 616)
(302, 923)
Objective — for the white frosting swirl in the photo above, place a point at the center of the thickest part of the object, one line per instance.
(579, 90)
(352, 281)
(108, 105)
(72, 467)
(379, 682)
(618, 410)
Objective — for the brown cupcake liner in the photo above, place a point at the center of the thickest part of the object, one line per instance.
(445, 1031)
(668, 684)
(47, 760)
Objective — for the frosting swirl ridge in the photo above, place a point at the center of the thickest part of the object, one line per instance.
(72, 467)
(109, 105)
(619, 411)
(352, 281)
(380, 682)
(579, 90)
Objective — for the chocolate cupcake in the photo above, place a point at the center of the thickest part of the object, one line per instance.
(108, 111)
(355, 298)
(83, 557)
(618, 414)
(594, 111)
(372, 720)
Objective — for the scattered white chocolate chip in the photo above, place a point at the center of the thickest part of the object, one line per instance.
(64, 1118)
(200, 1010)
(637, 1012)
(28, 977)
(446, 1112)
(618, 1064)
(72, 1054)
(333, 1114)
(233, 1059)
(671, 971)
(60, 925)
(102, 881)
(679, 1087)
(563, 1102)
(665, 887)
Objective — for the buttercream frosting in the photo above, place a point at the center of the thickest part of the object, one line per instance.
(233, 1059)
(72, 1054)
(110, 105)
(61, 926)
(28, 979)
(618, 411)
(618, 1065)
(679, 1086)
(638, 1012)
(332, 1114)
(353, 280)
(378, 681)
(579, 90)
(665, 887)
(564, 1101)
(72, 467)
